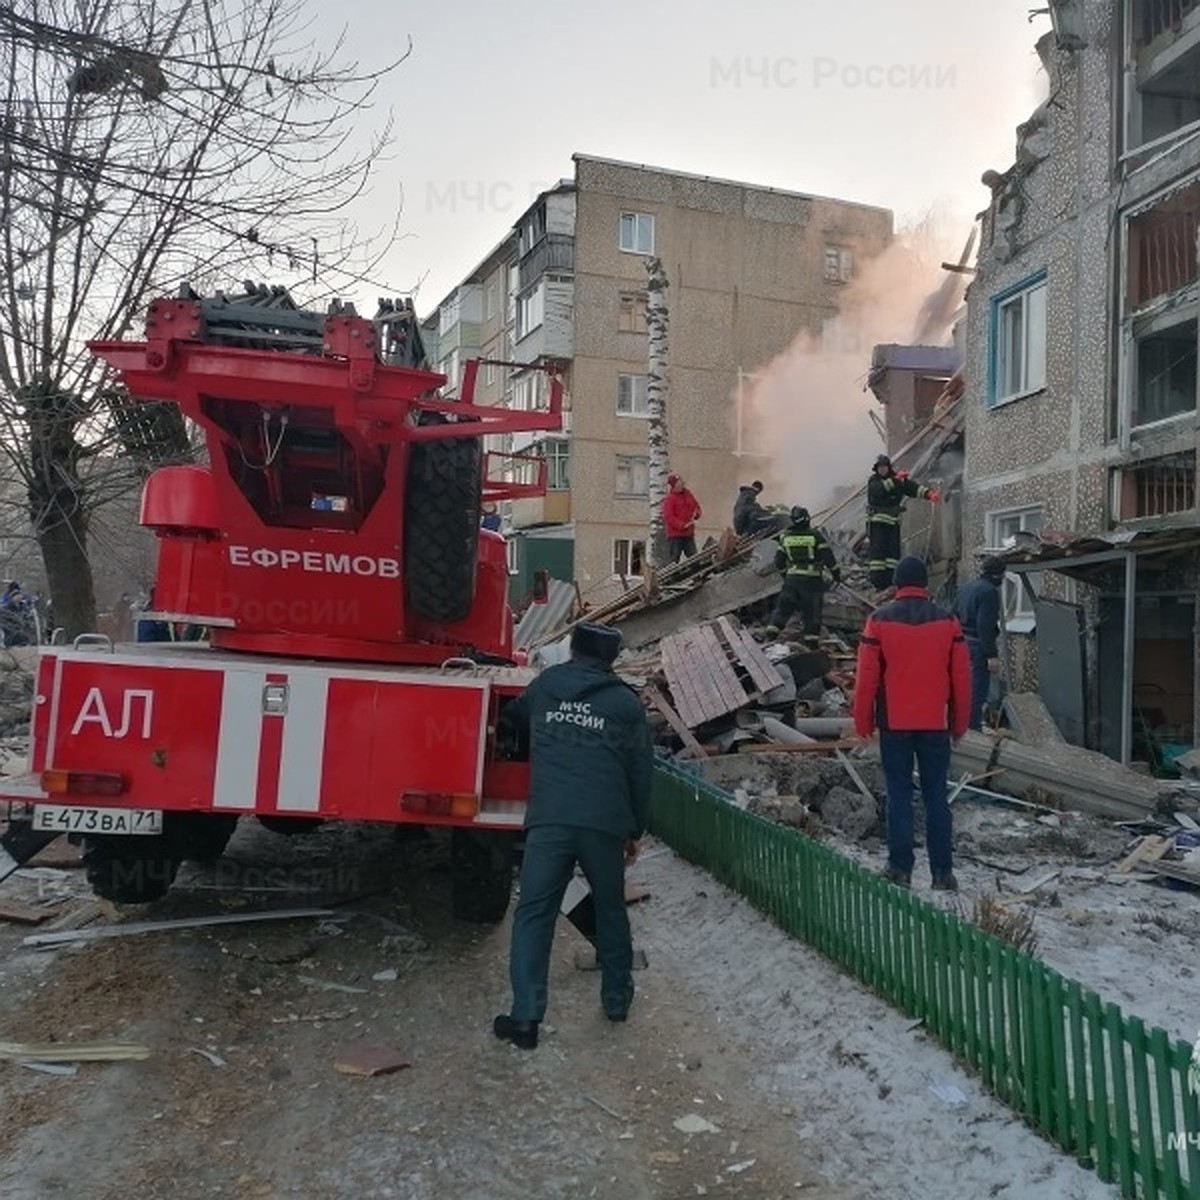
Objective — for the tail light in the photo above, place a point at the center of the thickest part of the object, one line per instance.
(82, 783)
(440, 804)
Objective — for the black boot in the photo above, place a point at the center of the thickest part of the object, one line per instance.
(522, 1034)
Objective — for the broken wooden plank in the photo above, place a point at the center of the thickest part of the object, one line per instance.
(672, 717)
(1148, 850)
(759, 667)
(367, 1060)
(23, 914)
(828, 747)
(65, 1052)
(135, 928)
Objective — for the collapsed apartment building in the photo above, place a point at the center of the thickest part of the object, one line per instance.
(1081, 379)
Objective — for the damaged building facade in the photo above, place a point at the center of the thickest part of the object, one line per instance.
(1081, 362)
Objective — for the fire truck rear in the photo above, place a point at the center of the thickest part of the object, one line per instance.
(359, 644)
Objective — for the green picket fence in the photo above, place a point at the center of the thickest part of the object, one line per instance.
(1103, 1086)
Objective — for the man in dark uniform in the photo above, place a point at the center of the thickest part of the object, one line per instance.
(886, 492)
(803, 556)
(746, 509)
(978, 610)
(591, 759)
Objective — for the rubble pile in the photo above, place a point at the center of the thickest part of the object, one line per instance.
(16, 690)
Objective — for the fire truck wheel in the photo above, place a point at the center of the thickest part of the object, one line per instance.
(441, 527)
(481, 874)
(202, 837)
(129, 870)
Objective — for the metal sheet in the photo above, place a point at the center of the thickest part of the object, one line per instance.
(1060, 659)
(541, 620)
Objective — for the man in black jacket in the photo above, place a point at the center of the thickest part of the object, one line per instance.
(591, 760)
(804, 555)
(887, 490)
(978, 611)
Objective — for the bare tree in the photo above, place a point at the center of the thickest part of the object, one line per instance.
(657, 439)
(145, 143)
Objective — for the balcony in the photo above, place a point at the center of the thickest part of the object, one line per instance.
(555, 253)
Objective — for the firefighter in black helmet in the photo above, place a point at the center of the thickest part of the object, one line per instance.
(803, 556)
(887, 490)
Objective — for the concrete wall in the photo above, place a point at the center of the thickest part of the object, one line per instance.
(745, 268)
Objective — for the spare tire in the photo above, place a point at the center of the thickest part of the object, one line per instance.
(441, 526)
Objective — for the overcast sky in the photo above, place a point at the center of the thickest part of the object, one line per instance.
(897, 104)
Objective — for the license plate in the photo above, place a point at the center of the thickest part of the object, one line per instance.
(53, 817)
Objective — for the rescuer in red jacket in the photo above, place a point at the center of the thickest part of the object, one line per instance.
(681, 511)
(914, 686)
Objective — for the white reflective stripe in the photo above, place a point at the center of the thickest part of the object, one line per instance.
(239, 739)
(303, 742)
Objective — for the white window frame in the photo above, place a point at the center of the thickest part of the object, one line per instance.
(622, 556)
(557, 453)
(629, 395)
(839, 264)
(1148, 328)
(629, 463)
(1017, 613)
(631, 226)
(1030, 382)
(531, 310)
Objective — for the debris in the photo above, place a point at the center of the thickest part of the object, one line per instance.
(949, 1093)
(1031, 722)
(388, 976)
(51, 1068)
(326, 985)
(59, 1052)
(134, 928)
(339, 1014)
(604, 1108)
(802, 747)
(215, 1059)
(1028, 886)
(368, 1060)
(864, 791)
(714, 669)
(660, 702)
(738, 1167)
(1187, 822)
(1147, 850)
(22, 914)
(849, 812)
(695, 1123)
(635, 893)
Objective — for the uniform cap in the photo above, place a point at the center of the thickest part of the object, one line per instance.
(595, 641)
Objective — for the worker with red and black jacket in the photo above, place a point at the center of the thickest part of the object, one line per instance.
(914, 686)
(681, 511)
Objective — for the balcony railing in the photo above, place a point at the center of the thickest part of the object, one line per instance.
(1153, 18)
(555, 252)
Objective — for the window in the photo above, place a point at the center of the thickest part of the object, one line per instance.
(490, 371)
(1161, 248)
(1158, 487)
(1002, 528)
(631, 396)
(489, 301)
(531, 310)
(1164, 366)
(637, 233)
(533, 229)
(839, 264)
(1166, 60)
(1018, 334)
(529, 393)
(558, 461)
(633, 475)
(628, 556)
(631, 316)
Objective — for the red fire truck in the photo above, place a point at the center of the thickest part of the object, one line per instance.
(359, 637)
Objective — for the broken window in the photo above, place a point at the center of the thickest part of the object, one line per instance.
(839, 264)
(1018, 358)
(1158, 487)
(628, 556)
(1002, 529)
(633, 475)
(631, 315)
(1165, 37)
(1164, 367)
(1162, 247)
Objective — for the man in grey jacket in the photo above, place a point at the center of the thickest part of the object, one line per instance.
(591, 761)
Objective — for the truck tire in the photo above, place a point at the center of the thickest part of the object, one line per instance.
(129, 870)
(481, 874)
(202, 837)
(441, 527)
